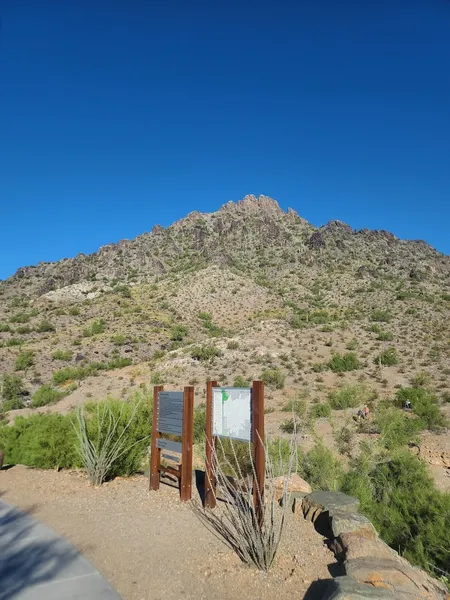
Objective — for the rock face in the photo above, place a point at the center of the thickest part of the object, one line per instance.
(373, 569)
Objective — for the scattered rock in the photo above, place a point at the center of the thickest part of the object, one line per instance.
(360, 544)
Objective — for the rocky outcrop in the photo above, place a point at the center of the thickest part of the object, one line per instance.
(372, 568)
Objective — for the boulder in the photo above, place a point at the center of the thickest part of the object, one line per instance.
(318, 502)
(396, 575)
(295, 485)
(346, 588)
(359, 544)
(344, 522)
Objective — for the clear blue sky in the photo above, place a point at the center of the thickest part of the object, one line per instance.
(116, 115)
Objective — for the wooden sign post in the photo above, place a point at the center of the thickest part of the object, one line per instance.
(247, 415)
(173, 413)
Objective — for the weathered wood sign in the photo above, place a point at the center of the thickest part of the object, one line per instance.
(173, 414)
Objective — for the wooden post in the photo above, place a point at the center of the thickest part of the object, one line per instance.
(155, 455)
(259, 457)
(210, 482)
(187, 442)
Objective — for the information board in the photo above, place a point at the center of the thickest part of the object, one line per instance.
(232, 412)
(170, 412)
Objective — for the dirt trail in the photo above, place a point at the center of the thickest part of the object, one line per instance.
(152, 547)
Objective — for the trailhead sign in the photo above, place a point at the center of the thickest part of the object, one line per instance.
(232, 413)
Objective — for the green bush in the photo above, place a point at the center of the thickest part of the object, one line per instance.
(23, 329)
(380, 316)
(13, 342)
(288, 426)
(424, 404)
(199, 423)
(4, 328)
(322, 469)
(205, 353)
(157, 378)
(349, 396)
(119, 339)
(118, 362)
(240, 382)
(341, 363)
(94, 328)
(387, 358)
(20, 318)
(421, 380)
(46, 394)
(11, 387)
(385, 336)
(297, 406)
(273, 378)
(24, 360)
(232, 345)
(178, 333)
(45, 326)
(399, 497)
(44, 441)
(62, 355)
(396, 428)
(135, 437)
(74, 311)
(321, 409)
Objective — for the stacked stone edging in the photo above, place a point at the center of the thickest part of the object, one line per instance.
(372, 569)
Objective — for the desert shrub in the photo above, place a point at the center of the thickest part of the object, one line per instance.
(387, 358)
(232, 345)
(62, 355)
(297, 406)
(13, 342)
(74, 311)
(46, 394)
(322, 469)
(23, 329)
(113, 436)
(341, 363)
(118, 362)
(349, 396)
(66, 374)
(4, 328)
(273, 378)
(380, 316)
(11, 387)
(45, 326)
(178, 333)
(321, 409)
(385, 336)
(13, 404)
(205, 353)
(424, 404)
(288, 426)
(24, 360)
(399, 496)
(157, 378)
(20, 318)
(239, 381)
(199, 423)
(119, 339)
(319, 317)
(421, 380)
(43, 441)
(352, 344)
(123, 289)
(94, 328)
(396, 428)
(298, 321)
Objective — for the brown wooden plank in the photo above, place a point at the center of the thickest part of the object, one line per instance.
(155, 454)
(187, 442)
(259, 456)
(210, 483)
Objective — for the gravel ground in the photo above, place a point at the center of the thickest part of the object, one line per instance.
(152, 547)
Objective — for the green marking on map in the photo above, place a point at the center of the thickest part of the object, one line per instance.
(225, 396)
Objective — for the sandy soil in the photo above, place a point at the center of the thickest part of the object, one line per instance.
(152, 547)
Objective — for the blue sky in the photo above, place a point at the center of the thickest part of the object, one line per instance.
(116, 115)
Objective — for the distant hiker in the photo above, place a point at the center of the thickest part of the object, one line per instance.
(366, 412)
(407, 405)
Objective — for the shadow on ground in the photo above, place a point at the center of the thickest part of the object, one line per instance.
(26, 558)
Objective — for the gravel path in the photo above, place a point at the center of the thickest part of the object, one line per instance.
(152, 547)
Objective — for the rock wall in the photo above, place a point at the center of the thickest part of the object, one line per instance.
(372, 569)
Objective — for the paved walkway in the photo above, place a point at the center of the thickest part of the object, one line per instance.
(37, 564)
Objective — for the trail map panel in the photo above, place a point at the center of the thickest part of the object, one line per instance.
(231, 413)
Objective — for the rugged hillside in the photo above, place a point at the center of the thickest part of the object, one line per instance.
(243, 292)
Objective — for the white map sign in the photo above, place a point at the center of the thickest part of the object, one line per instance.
(232, 413)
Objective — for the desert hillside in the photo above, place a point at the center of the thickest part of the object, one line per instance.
(331, 318)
